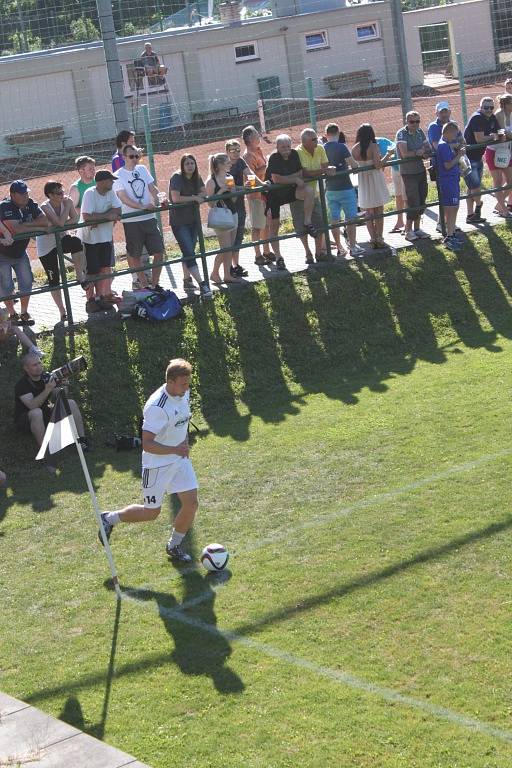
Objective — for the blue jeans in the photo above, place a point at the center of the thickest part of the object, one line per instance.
(21, 268)
(474, 179)
(186, 236)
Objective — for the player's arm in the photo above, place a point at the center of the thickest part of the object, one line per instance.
(150, 445)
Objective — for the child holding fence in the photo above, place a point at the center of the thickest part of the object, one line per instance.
(448, 154)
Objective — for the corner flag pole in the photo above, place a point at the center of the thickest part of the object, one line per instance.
(92, 493)
(60, 432)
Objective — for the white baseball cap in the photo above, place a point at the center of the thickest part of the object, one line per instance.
(442, 105)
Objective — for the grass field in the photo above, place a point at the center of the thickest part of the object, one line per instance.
(354, 456)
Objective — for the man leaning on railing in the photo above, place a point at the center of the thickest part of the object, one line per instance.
(18, 213)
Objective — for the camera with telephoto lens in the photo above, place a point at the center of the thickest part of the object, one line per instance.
(62, 374)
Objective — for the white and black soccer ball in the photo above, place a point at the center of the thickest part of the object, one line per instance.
(214, 557)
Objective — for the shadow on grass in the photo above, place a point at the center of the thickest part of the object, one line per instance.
(362, 582)
(192, 627)
(193, 654)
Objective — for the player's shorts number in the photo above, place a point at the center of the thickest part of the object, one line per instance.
(150, 499)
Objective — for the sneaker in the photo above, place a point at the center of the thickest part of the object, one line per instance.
(107, 527)
(309, 229)
(451, 243)
(475, 218)
(188, 285)
(260, 261)
(176, 554)
(421, 234)
(158, 288)
(269, 257)
(356, 250)
(411, 236)
(26, 319)
(205, 291)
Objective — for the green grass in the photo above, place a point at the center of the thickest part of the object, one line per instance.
(354, 457)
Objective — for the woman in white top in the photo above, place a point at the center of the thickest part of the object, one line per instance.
(502, 175)
(59, 210)
(217, 185)
(373, 191)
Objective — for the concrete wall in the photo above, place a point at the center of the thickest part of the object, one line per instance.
(470, 26)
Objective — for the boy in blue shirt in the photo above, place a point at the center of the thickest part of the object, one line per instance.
(448, 153)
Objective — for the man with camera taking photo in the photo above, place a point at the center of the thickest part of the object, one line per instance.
(33, 405)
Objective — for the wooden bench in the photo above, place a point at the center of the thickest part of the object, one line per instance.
(349, 82)
(215, 114)
(40, 138)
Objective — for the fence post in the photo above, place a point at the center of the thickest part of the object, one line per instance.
(200, 237)
(151, 155)
(65, 288)
(311, 102)
(325, 217)
(462, 89)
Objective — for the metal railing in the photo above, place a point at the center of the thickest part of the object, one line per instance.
(203, 254)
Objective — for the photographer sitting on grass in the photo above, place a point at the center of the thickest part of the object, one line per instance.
(33, 406)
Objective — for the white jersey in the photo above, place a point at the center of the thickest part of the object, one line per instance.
(167, 417)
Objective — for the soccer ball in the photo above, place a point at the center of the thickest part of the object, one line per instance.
(214, 557)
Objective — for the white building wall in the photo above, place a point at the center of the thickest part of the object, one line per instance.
(470, 30)
(227, 83)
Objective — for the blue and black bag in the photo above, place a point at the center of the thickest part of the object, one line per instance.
(163, 305)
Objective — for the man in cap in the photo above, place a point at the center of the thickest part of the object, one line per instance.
(19, 214)
(101, 207)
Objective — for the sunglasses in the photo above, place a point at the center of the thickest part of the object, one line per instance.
(234, 149)
(134, 157)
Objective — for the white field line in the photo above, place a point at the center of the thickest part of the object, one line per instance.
(377, 499)
(337, 676)
(346, 511)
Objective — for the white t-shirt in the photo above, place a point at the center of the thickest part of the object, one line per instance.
(46, 243)
(167, 417)
(135, 184)
(94, 202)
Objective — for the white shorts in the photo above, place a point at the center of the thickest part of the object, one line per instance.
(177, 477)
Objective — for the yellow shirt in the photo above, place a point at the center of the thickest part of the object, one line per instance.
(313, 162)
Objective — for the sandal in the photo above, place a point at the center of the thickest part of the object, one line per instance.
(26, 319)
(14, 318)
(397, 228)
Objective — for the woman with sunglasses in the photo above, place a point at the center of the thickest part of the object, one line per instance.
(59, 210)
(498, 156)
(413, 147)
(482, 126)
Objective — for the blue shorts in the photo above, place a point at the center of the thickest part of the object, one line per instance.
(21, 268)
(450, 191)
(342, 199)
(474, 179)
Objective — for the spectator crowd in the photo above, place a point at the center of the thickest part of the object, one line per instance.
(98, 199)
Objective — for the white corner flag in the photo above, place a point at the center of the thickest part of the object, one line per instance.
(60, 432)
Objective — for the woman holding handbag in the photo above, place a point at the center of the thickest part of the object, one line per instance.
(222, 217)
(498, 156)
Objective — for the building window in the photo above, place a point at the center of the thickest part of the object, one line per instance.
(368, 31)
(315, 40)
(246, 52)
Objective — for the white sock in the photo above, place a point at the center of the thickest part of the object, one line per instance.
(176, 538)
(112, 518)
